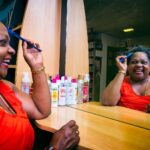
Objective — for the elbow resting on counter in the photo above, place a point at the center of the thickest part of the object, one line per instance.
(109, 101)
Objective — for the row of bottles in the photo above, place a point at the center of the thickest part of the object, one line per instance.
(69, 91)
(64, 90)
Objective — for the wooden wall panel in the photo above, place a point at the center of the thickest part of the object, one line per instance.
(76, 39)
(41, 24)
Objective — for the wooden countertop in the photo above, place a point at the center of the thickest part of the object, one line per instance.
(118, 113)
(97, 132)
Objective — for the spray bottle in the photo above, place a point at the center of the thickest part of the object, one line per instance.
(25, 84)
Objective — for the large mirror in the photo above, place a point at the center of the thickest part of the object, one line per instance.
(106, 20)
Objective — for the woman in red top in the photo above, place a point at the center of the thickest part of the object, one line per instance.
(132, 91)
(16, 107)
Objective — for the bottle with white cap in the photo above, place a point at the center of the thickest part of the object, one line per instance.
(54, 93)
(62, 92)
(69, 91)
(25, 84)
(74, 91)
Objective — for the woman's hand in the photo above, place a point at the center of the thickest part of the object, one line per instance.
(32, 56)
(67, 137)
(121, 66)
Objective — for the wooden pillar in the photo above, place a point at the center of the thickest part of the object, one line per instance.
(41, 24)
(76, 39)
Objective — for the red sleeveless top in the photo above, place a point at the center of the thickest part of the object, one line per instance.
(16, 132)
(130, 99)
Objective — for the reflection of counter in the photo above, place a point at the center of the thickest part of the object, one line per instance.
(118, 113)
(97, 132)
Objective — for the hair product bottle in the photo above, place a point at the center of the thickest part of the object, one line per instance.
(25, 84)
(86, 88)
(69, 91)
(74, 91)
(54, 93)
(62, 92)
(80, 89)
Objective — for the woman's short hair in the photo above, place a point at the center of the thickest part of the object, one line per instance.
(139, 49)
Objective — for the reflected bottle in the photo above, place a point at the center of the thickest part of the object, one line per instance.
(80, 89)
(86, 88)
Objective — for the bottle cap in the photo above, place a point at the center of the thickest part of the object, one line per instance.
(53, 80)
(69, 79)
(80, 77)
(87, 78)
(74, 80)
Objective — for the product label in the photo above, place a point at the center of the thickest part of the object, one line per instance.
(62, 95)
(85, 94)
(54, 95)
(69, 95)
(80, 94)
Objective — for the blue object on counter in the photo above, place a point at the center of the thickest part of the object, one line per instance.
(24, 40)
(123, 59)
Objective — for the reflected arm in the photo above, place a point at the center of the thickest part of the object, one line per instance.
(111, 93)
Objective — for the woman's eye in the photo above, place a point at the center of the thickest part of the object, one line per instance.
(4, 42)
(141, 62)
(144, 62)
(134, 62)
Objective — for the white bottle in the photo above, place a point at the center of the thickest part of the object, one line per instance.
(69, 91)
(62, 92)
(25, 84)
(74, 91)
(49, 84)
(54, 93)
(57, 79)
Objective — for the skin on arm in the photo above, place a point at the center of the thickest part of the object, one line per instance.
(111, 93)
(38, 105)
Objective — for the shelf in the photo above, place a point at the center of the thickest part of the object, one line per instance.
(12, 66)
(95, 61)
(17, 27)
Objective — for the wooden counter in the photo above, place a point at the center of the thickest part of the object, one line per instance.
(118, 113)
(97, 132)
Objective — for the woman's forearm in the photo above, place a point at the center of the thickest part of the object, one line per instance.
(111, 94)
(41, 93)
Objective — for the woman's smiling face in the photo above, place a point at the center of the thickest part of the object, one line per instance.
(6, 51)
(139, 66)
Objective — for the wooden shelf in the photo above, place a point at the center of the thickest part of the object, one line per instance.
(17, 27)
(12, 66)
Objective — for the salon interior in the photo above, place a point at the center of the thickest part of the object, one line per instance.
(81, 39)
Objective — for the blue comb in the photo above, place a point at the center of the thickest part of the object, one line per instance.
(123, 59)
(21, 38)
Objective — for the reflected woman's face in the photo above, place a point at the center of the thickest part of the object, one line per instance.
(139, 66)
(6, 51)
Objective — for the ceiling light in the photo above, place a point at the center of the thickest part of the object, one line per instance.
(128, 30)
